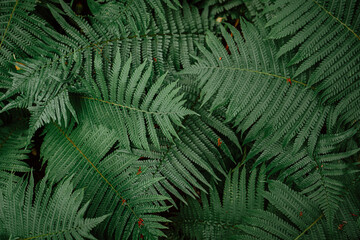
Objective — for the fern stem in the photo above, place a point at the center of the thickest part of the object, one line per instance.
(8, 24)
(337, 19)
(307, 229)
(131, 108)
(97, 170)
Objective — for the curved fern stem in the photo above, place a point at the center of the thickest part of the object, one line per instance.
(131, 108)
(8, 24)
(337, 19)
(309, 227)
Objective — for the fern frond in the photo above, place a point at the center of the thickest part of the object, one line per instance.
(167, 43)
(332, 51)
(297, 209)
(45, 211)
(188, 161)
(14, 35)
(216, 219)
(22, 35)
(124, 102)
(144, 104)
(254, 88)
(108, 176)
(43, 92)
(75, 53)
(319, 176)
(297, 217)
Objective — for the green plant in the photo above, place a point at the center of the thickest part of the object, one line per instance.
(205, 119)
(45, 210)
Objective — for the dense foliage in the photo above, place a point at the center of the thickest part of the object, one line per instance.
(205, 119)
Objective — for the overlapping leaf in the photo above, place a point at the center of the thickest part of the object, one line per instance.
(124, 102)
(256, 89)
(108, 176)
(45, 211)
(321, 35)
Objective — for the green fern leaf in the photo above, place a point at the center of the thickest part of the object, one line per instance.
(331, 51)
(291, 215)
(255, 91)
(109, 179)
(317, 175)
(216, 219)
(45, 211)
(130, 107)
